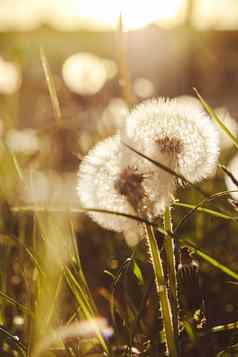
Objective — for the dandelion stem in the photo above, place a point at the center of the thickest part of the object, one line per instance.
(161, 290)
(171, 265)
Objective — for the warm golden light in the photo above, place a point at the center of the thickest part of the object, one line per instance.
(135, 13)
(103, 14)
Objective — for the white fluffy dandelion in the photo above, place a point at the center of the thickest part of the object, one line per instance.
(182, 139)
(230, 184)
(103, 185)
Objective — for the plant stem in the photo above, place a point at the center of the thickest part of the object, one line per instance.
(161, 290)
(171, 266)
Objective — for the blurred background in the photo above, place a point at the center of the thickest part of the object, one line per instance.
(164, 48)
(172, 47)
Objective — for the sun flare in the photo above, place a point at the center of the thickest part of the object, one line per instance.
(136, 14)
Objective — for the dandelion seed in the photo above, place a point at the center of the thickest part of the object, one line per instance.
(230, 184)
(129, 184)
(100, 186)
(182, 139)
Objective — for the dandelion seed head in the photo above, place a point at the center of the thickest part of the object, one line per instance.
(99, 187)
(233, 169)
(180, 138)
(130, 185)
(169, 145)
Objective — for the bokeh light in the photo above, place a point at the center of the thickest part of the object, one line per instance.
(143, 88)
(23, 141)
(85, 73)
(10, 77)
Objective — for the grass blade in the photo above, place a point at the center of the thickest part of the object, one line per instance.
(195, 208)
(216, 119)
(14, 339)
(205, 210)
(232, 177)
(51, 86)
(80, 210)
(12, 301)
(123, 65)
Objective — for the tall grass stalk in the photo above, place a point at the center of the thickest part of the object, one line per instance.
(51, 86)
(125, 82)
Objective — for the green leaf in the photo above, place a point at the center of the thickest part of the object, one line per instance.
(137, 272)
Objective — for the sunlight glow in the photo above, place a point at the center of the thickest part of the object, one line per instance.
(103, 14)
(135, 13)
